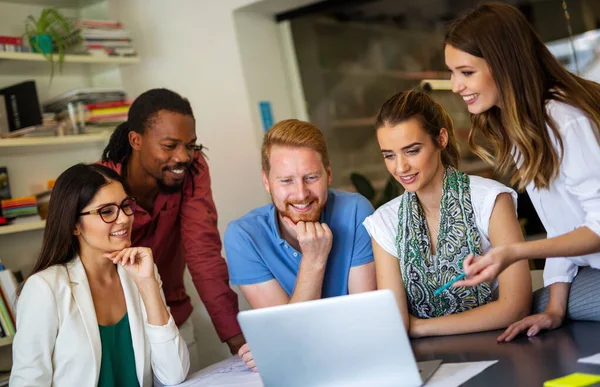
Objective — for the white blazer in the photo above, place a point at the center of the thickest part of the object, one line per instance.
(58, 340)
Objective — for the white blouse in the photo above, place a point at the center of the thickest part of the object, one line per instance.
(573, 199)
(382, 226)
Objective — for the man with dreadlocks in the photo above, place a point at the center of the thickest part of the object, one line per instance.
(156, 153)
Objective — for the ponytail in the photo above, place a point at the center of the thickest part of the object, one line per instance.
(118, 148)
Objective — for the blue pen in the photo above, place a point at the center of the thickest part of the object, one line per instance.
(442, 288)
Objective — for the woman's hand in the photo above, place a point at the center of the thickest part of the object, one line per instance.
(487, 267)
(533, 325)
(246, 356)
(138, 261)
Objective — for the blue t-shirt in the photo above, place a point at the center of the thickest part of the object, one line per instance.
(257, 253)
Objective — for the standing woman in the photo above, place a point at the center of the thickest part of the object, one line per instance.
(93, 312)
(540, 123)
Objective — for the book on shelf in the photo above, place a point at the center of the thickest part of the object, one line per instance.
(24, 219)
(4, 187)
(22, 105)
(11, 40)
(105, 105)
(12, 44)
(7, 319)
(4, 127)
(36, 130)
(106, 38)
(14, 48)
(9, 284)
(98, 24)
(118, 43)
(110, 52)
(8, 298)
(106, 33)
(19, 207)
(86, 96)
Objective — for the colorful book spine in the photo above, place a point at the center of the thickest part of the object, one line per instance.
(11, 40)
(93, 106)
(110, 110)
(5, 317)
(10, 318)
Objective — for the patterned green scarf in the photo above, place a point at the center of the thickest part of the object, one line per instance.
(458, 237)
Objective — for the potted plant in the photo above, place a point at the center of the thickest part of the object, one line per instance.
(51, 33)
(364, 187)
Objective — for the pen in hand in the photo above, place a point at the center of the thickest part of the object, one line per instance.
(442, 288)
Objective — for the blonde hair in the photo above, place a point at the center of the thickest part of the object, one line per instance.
(527, 76)
(431, 115)
(294, 134)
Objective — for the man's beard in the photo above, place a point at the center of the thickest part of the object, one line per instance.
(172, 188)
(168, 189)
(314, 215)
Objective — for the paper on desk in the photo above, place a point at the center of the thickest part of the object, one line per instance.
(229, 372)
(455, 374)
(594, 359)
(233, 372)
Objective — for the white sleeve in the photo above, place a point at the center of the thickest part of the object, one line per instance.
(559, 270)
(483, 198)
(382, 226)
(168, 351)
(37, 328)
(580, 166)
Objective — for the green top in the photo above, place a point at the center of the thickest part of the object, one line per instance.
(118, 361)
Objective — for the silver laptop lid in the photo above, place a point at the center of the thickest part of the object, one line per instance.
(356, 340)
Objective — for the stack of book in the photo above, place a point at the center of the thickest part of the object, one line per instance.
(88, 107)
(106, 38)
(8, 292)
(107, 113)
(19, 207)
(12, 44)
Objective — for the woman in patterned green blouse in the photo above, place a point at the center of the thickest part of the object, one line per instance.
(421, 238)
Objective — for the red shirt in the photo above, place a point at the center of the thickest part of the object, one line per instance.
(182, 228)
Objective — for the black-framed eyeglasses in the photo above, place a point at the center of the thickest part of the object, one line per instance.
(110, 212)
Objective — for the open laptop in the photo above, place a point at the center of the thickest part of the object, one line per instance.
(355, 340)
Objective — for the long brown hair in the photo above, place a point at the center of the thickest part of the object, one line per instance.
(431, 115)
(527, 76)
(73, 190)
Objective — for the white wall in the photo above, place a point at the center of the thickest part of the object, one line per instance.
(197, 53)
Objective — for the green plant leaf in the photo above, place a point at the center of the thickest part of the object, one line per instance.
(391, 191)
(363, 186)
(52, 22)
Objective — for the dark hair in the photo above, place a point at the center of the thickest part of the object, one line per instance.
(141, 116)
(431, 115)
(74, 189)
(527, 75)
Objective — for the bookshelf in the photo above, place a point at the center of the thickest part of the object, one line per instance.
(32, 161)
(55, 140)
(91, 59)
(6, 341)
(57, 3)
(21, 227)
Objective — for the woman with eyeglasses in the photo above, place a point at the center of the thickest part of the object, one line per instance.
(93, 311)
